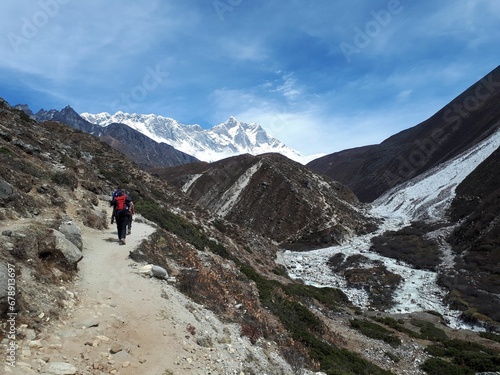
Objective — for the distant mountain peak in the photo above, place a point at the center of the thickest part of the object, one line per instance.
(229, 138)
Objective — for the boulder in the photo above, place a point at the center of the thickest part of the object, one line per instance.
(153, 271)
(72, 253)
(7, 192)
(159, 272)
(73, 233)
(60, 368)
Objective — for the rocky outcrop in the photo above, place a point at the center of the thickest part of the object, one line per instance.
(60, 244)
(7, 192)
(72, 232)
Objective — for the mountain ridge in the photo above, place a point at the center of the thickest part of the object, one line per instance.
(372, 170)
(275, 196)
(146, 152)
(226, 139)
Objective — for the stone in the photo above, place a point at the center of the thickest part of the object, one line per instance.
(205, 341)
(72, 253)
(159, 272)
(87, 324)
(60, 368)
(115, 348)
(35, 344)
(73, 233)
(7, 192)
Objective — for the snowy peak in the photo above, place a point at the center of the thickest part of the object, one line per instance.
(229, 138)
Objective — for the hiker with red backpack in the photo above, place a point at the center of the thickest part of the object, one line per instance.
(121, 203)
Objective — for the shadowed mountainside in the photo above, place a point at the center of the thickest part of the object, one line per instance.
(372, 170)
(474, 280)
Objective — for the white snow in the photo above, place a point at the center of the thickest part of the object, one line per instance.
(227, 139)
(428, 195)
(191, 181)
(231, 196)
(424, 197)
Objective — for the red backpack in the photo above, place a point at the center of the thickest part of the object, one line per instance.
(121, 203)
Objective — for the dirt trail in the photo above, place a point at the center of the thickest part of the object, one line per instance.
(125, 305)
(121, 322)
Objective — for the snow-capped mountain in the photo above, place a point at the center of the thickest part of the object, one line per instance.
(230, 138)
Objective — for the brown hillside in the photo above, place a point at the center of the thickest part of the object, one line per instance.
(274, 196)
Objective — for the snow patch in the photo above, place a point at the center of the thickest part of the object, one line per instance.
(426, 197)
(191, 181)
(231, 196)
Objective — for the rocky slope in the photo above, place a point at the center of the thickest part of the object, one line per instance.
(474, 279)
(371, 170)
(277, 197)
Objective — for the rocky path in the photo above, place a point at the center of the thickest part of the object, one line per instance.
(118, 321)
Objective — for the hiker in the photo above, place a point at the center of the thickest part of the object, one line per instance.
(113, 196)
(132, 212)
(121, 208)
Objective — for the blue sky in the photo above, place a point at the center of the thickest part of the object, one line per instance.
(320, 75)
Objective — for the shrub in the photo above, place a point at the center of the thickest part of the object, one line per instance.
(392, 357)
(431, 332)
(468, 355)
(178, 225)
(305, 327)
(409, 245)
(66, 178)
(375, 331)
(437, 366)
(397, 325)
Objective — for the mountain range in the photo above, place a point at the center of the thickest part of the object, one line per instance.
(229, 138)
(157, 141)
(402, 237)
